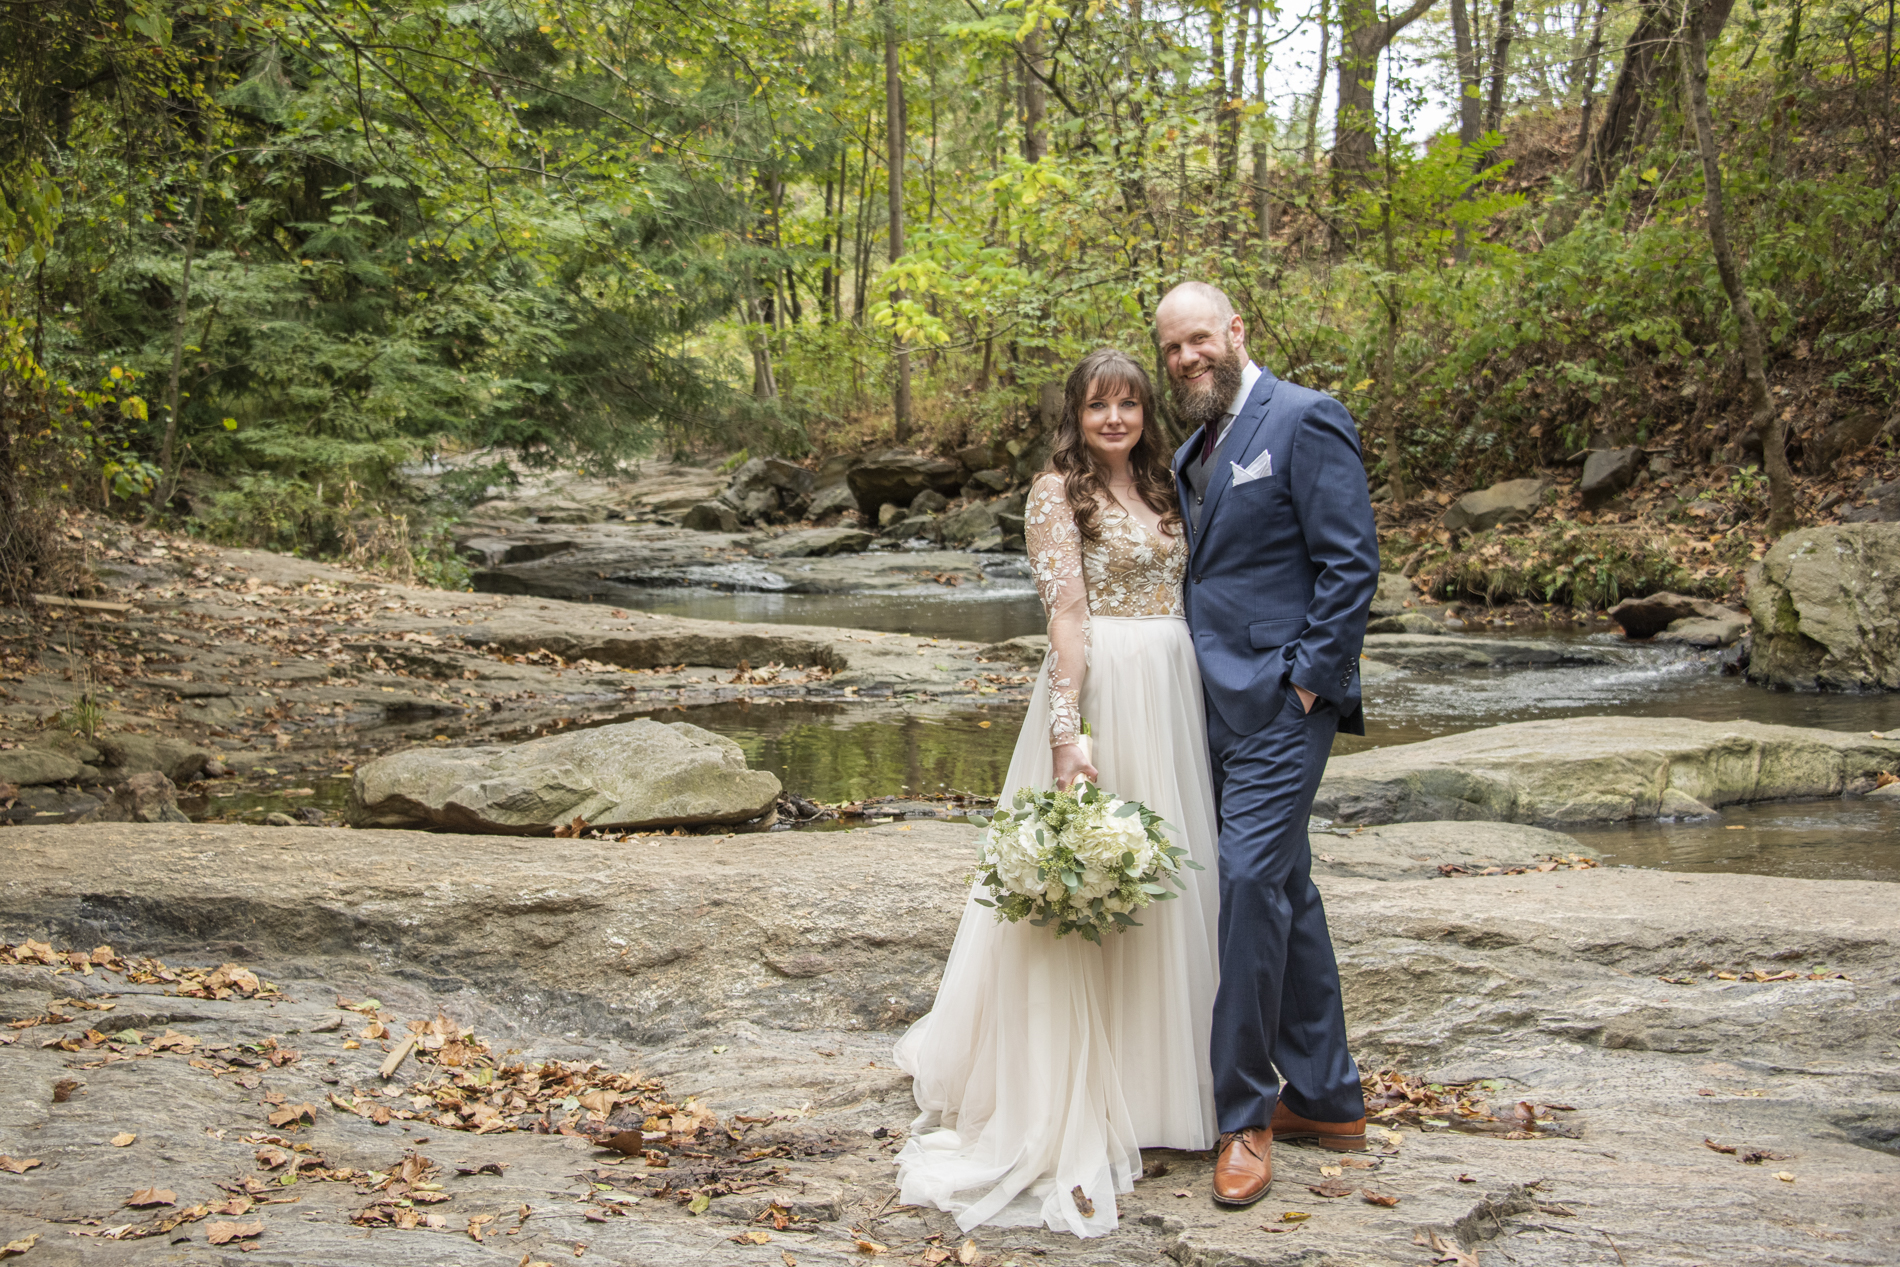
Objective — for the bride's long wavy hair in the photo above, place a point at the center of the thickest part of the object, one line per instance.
(1082, 483)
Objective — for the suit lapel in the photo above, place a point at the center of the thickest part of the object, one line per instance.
(1239, 439)
(1182, 456)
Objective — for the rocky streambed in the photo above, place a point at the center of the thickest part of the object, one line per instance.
(1648, 1023)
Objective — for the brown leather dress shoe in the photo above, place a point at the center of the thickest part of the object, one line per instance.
(1243, 1167)
(1341, 1137)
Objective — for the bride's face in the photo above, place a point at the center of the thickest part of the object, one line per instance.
(1111, 422)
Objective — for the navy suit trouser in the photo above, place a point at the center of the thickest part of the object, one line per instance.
(1278, 1006)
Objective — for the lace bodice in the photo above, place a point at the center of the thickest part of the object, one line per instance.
(1126, 571)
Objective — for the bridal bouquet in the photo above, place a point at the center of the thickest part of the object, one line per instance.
(1081, 860)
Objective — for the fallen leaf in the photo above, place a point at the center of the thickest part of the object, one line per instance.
(872, 1248)
(1331, 1188)
(699, 1204)
(1295, 1216)
(19, 1247)
(1083, 1206)
(271, 1158)
(19, 1167)
(64, 1088)
(1378, 1198)
(146, 1197)
(1329, 1172)
(1392, 1138)
(1786, 1176)
(476, 1224)
(305, 1112)
(785, 1256)
(1466, 1179)
(1183, 1194)
(757, 1236)
(967, 1253)
(124, 1138)
(1445, 1251)
(1720, 1148)
(1360, 1163)
(225, 1233)
(484, 1168)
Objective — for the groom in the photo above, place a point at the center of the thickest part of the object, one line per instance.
(1282, 566)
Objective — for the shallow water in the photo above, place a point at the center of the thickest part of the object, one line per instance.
(989, 613)
(836, 753)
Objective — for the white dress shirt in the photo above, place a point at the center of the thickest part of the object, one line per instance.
(1249, 375)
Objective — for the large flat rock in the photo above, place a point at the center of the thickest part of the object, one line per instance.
(1598, 769)
(633, 775)
(769, 974)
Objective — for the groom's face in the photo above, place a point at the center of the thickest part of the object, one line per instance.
(1204, 358)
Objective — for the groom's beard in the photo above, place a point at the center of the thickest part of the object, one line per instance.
(1203, 402)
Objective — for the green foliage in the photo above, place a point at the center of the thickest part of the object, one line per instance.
(1583, 567)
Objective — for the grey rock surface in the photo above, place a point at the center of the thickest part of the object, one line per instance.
(1406, 623)
(1027, 651)
(26, 767)
(126, 755)
(963, 526)
(713, 516)
(1826, 603)
(897, 476)
(1440, 650)
(1598, 769)
(1510, 502)
(637, 774)
(1416, 851)
(662, 956)
(1608, 472)
(1706, 631)
(1396, 594)
(928, 502)
(148, 797)
(832, 500)
(814, 543)
(1651, 614)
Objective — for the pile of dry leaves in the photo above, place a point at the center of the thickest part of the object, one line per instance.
(222, 982)
(1550, 862)
(1394, 1098)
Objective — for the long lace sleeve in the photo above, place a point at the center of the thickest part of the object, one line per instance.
(1055, 557)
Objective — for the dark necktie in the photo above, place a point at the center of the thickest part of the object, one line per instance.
(1212, 441)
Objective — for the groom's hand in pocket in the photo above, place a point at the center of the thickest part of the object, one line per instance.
(1306, 699)
(1070, 763)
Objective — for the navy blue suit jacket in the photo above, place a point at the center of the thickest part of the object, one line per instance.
(1282, 572)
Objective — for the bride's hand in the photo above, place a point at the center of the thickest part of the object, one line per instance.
(1070, 763)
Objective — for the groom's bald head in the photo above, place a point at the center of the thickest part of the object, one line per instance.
(1210, 299)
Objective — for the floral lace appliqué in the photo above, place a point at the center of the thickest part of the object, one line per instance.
(1127, 571)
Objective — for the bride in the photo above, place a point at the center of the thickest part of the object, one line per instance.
(1046, 1066)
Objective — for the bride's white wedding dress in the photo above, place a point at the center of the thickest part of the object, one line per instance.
(1046, 1065)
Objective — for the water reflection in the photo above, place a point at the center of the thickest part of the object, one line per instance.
(835, 753)
(1855, 838)
(980, 615)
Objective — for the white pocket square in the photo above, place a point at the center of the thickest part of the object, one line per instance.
(1259, 468)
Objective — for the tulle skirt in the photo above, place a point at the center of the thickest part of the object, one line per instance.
(1046, 1066)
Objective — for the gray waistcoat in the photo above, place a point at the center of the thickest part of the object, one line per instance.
(1198, 474)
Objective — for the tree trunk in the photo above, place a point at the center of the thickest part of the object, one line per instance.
(1592, 58)
(1465, 55)
(1363, 37)
(894, 133)
(1262, 195)
(181, 315)
(1647, 77)
(1319, 85)
(1501, 64)
(1035, 147)
(1761, 410)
